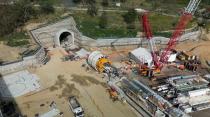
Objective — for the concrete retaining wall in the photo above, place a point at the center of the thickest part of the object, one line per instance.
(24, 63)
(44, 36)
(136, 41)
(48, 35)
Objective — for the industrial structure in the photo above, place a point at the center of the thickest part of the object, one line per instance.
(144, 78)
(98, 61)
(141, 56)
(171, 96)
(163, 57)
(101, 63)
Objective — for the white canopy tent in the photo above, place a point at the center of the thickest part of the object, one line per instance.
(141, 55)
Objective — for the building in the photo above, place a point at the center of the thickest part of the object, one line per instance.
(141, 55)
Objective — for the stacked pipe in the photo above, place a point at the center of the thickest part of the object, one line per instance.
(192, 64)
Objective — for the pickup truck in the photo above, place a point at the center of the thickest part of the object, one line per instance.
(75, 107)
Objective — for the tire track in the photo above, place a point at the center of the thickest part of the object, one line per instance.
(98, 108)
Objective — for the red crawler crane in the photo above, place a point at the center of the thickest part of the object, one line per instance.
(184, 20)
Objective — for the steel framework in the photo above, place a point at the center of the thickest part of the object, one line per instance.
(183, 21)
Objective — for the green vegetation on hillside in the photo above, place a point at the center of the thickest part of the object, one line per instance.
(14, 17)
(116, 27)
(164, 15)
(16, 39)
(161, 22)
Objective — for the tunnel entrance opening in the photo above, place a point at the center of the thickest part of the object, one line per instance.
(66, 39)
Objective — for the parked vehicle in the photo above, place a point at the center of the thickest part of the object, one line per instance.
(76, 107)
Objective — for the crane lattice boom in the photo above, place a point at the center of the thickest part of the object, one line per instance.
(148, 34)
(175, 36)
(184, 20)
(192, 6)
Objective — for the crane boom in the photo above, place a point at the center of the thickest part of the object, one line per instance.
(184, 20)
(148, 34)
(175, 36)
(192, 6)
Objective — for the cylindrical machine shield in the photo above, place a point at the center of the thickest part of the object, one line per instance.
(94, 58)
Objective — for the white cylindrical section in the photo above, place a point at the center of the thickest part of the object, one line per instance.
(94, 57)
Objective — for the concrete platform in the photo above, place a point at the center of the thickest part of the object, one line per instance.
(18, 84)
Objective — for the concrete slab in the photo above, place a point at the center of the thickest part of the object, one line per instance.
(18, 84)
(51, 113)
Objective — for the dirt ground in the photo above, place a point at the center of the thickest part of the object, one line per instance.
(200, 48)
(9, 53)
(59, 80)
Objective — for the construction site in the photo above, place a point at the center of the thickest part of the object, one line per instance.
(127, 77)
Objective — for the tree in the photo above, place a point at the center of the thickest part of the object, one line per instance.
(103, 20)
(25, 10)
(92, 10)
(130, 18)
(77, 1)
(202, 22)
(123, 1)
(15, 15)
(105, 3)
(155, 4)
(47, 7)
(90, 2)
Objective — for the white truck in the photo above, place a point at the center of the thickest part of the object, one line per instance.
(76, 107)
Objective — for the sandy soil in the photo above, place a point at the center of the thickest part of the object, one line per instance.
(11, 54)
(8, 53)
(59, 80)
(200, 48)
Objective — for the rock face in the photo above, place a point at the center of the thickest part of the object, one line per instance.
(50, 34)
